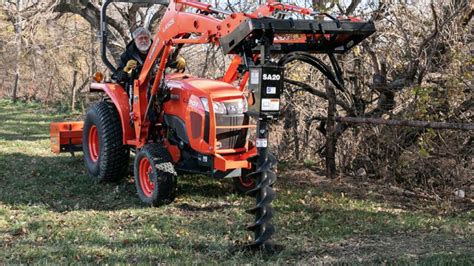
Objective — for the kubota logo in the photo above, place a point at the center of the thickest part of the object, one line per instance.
(168, 25)
(271, 77)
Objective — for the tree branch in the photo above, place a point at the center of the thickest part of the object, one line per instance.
(89, 12)
(319, 94)
(352, 7)
(402, 123)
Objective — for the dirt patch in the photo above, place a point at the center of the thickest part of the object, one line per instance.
(410, 246)
(380, 191)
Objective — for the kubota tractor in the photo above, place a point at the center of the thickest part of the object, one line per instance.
(179, 123)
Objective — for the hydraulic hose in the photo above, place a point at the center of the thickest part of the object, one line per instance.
(334, 77)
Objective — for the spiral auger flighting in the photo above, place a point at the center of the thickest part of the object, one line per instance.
(264, 195)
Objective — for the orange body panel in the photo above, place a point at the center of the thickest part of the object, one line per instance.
(186, 93)
(65, 135)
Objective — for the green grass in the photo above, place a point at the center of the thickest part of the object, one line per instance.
(51, 212)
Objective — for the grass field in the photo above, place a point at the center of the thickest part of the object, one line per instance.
(51, 212)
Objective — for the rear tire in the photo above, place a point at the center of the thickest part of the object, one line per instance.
(155, 176)
(105, 156)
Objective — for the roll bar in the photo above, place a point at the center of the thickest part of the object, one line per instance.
(103, 24)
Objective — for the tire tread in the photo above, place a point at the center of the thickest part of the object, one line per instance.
(114, 158)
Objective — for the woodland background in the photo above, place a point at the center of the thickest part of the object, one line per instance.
(418, 66)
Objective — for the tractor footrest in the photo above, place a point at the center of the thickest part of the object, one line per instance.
(66, 136)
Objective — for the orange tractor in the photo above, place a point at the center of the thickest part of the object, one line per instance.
(178, 123)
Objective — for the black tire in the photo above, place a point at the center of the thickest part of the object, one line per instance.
(153, 163)
(243, 184)
(108, 159)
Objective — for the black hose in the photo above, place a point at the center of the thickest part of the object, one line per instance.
(335, 78)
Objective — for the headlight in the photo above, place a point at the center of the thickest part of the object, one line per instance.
(237, 107)
(219, 108)
(245, 105)
(233, 107)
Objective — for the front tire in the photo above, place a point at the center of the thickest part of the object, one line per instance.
(244, 183)
(105, 156)
(155, 176)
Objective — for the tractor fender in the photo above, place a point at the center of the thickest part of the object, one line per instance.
(120, 99)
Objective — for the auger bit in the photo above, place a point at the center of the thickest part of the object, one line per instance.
(266, 82)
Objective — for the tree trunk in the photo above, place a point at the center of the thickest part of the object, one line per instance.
(50, 88)
(1, 85)
(19, 4)
(296, 136)
(93, 68)
(331, 137)
(15, 86)
(73, 98)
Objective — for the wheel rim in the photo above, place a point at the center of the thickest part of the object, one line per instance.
(94, 143)
(246, 182)
(145, 172)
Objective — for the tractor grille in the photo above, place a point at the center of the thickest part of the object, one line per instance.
(231, 138)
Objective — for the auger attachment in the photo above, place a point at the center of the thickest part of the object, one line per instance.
(265, 84)
(264, 195)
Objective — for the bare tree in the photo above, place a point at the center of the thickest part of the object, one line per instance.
(18, 30)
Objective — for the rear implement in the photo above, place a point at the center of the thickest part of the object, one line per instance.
(66, 137)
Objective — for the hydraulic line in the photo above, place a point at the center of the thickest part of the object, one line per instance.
(337, 69)
(335, 77)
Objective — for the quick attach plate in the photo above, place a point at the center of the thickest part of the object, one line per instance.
(266, 84)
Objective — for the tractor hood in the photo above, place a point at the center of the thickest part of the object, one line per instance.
(199, 86)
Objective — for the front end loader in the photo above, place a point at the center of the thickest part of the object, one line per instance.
(179, 123)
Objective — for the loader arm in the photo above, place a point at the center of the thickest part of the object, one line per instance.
(235, 33)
